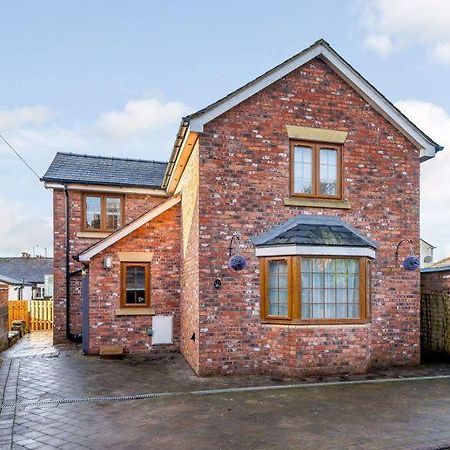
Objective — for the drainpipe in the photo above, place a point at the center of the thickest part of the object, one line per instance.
(69, 335)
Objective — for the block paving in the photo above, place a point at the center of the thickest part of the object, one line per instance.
(407, 414)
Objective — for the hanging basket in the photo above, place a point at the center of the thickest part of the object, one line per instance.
(237, 261)
(411, 263)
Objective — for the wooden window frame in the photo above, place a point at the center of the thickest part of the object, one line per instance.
(294, 292)
(123, 285)
(103, 196)
(316, 147)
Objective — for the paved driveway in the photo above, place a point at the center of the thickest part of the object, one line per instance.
(60, 399)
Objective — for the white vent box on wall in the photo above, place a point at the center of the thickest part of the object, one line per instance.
(162, 329)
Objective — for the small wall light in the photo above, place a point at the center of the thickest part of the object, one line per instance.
(107, 262)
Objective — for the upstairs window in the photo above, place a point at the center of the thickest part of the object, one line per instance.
(316, 170)
(102, 212)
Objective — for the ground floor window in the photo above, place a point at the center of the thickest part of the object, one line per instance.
(310, 289)
(135, 284)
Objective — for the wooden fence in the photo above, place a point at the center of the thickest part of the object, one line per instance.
(38, 314)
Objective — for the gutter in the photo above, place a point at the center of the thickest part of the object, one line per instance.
(181, 135)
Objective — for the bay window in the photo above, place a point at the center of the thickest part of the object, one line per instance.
(314, 289)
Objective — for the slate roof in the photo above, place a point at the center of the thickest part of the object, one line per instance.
(87, 169)
(32, 270)
(314, 230)
(9, 280)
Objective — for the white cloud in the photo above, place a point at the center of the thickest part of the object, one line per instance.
(441, 52)
(144, 129)
(22, 230)
(394, 24)
(140, 117)
(381, 43)
(28, 115)
(435, 181)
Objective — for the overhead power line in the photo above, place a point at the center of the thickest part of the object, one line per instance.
(20, 157)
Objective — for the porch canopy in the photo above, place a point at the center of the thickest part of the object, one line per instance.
(314, 235)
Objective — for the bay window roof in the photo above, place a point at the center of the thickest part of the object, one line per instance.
(314, 235)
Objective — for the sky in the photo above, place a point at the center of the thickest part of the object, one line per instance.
(114, 78)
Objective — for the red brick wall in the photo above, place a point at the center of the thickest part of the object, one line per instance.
(435, 282)
(135, 205)
(244, 177)
(162, 237)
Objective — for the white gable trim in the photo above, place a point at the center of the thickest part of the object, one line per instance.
(127, 229)
(314, 250)
(343, 69)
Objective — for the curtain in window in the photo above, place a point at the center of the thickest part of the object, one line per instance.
(330, 288)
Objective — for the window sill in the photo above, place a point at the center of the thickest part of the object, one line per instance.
(93, 234)
(317, 203)
(135, 311)
(317, 323)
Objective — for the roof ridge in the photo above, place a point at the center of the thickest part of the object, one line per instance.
(26, 258)
(111, 157)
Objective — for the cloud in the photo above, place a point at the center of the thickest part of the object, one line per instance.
(144, 128)
(396, 24)
(22, 230)
(441, 52)
(435, 182)
(140, 117)
(28, 115)
(382, 44)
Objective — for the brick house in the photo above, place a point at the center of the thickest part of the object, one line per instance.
(308, 176)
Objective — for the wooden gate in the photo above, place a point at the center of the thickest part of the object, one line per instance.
(18, 310)
(41, 315)
(38, 314)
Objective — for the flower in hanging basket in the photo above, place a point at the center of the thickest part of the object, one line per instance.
(411, 263)
(237, 262)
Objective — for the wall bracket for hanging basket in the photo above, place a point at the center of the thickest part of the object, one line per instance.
(411, 262)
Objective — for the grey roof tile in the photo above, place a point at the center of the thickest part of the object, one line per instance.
(313, 230)
(31, 270)
(87, 169)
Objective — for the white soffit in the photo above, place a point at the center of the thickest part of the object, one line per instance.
(105, 188)
(314, 250)
(321, 49)
(127, 229)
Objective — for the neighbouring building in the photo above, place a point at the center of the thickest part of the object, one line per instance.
(435, 310)
(436, 277)
(426, 253)
(266, 244)
(27, 277)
